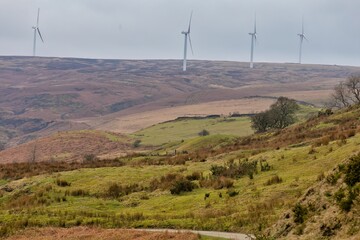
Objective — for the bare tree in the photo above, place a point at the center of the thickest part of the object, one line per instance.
(340, 97)
(353, 86)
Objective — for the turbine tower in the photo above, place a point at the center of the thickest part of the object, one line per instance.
(253, 40)
(36, 32)
(187, 35)
(302, 37)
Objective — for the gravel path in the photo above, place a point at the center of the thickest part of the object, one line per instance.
(226, 235)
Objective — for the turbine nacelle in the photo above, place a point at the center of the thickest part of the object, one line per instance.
(37, 32)
(187, 38)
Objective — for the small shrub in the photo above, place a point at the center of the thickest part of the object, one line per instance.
(320, 177)
(182, 185)
(194, 176)
(223, 182)
(136, 143)
(339, 195)
(62, 183)
(207, 195)
(264, 166)
(346, 204)
(79, 192)
(165, 182)
(232, 193)
(332, 178)
(312, 151)
(114, 190)
(90, 157)
(204, 132)
(352, 171)
(274, 180)
(299, 213)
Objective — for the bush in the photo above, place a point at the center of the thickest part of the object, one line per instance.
(299, 213)
(114, 190)
(275, 179)
(136, 143)
(332, 178)
(217, 183)
(352, 171)
(62, 183)
(193, 176)
(264, 166)
(232, 193)
(90, 157)
(204, 132)
(234, 170)
(78, 192)
(165, 182)
(182, 185)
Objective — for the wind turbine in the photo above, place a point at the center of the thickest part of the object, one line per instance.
(302, 37)
(253, 40)
(187, 35)
(36, 32)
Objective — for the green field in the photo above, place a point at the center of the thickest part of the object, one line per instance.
(178, 130)
(184, 129)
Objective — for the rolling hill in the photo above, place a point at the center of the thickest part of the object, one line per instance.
(40, 96)
(301, 182)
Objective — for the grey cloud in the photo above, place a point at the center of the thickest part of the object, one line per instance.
(151, 29)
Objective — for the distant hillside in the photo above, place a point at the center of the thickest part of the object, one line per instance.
(38, 93)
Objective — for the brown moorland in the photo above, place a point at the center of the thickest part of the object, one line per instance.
(40, 96)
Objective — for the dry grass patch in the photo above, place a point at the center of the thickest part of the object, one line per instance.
(97, 234)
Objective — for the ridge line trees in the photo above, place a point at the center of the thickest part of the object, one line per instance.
(346, 93)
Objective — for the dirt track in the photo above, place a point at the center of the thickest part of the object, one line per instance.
(226, 235)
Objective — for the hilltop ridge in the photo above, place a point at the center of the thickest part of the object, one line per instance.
(40, 96)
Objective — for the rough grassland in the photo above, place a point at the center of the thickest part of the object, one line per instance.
(81, 197)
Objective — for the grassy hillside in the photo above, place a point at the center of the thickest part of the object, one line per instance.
(237, 184)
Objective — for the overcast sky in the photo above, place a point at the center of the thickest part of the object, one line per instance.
(151, 29)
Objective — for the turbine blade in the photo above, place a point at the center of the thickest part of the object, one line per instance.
(190, 22)
(38, 30)
(37, 22)
(255, 24)
(190, 44)
(305, 38)
(302, 24)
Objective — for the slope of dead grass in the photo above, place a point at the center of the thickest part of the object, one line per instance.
(68, 146)
(97, 234)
